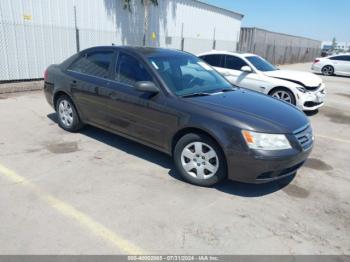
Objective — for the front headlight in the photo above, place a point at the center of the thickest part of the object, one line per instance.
(302, 89)
(263, 141)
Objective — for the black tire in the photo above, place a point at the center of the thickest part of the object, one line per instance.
(328, 70)
(213, 178)
(286, 90)
(74, 125)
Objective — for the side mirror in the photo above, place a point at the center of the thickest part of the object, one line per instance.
(147, 86)
(246, 69)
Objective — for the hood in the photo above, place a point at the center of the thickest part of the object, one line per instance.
(305, 79)
(254, 111)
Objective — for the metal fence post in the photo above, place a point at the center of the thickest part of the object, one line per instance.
(77, 37)
(182, 38)
(214, 40)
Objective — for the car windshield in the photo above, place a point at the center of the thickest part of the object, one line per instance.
(186, 75)
(261, 64)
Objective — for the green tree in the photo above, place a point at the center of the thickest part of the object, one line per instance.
(334, 44)
(146, 4)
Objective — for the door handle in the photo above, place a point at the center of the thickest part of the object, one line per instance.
(74, 83)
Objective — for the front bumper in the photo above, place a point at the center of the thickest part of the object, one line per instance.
(311, 100)
(259, 166)
(257, 169)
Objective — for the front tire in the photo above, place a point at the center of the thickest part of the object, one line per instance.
(284, 94)
(200, 160)
(68, 118)
(328, 70)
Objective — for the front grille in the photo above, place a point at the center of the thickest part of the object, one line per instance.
(305, 137)
(312, 104)
(313, 88)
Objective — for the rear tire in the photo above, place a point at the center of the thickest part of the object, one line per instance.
(68, 118)
(328, 70)
(199, 160)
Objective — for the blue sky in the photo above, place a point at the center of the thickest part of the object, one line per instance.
(317, 19)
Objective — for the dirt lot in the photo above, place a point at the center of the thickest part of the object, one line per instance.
(97, 193)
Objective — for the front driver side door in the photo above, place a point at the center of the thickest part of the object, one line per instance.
(139, 115)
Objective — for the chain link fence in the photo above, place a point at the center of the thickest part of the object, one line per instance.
(26, 50)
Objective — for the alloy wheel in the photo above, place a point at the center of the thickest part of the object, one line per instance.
(328, 70)
(65, 113)
(283, 95)
(200, 160)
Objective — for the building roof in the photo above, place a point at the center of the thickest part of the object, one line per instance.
(220, 8)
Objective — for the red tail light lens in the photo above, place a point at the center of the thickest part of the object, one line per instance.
(46, 75)
(316, 61)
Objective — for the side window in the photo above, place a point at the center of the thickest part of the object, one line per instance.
(234, 63)
(347, 58)
(94, 64)
(213, 60)
(340, 58)
(129, 70)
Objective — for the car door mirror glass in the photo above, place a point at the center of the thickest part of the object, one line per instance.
(246, 69)
(147, 86)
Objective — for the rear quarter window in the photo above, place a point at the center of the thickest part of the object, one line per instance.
(94, 64)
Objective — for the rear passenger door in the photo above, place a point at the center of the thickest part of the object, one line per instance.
(90, 73)
(216, 61)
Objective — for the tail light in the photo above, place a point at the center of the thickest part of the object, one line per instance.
(316, 61)
(46, 75)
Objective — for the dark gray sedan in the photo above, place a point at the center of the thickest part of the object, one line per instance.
(176, 103)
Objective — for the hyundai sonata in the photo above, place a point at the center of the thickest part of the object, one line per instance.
(174, 102)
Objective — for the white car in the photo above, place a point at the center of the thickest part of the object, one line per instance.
(302, 89)
(332, 65)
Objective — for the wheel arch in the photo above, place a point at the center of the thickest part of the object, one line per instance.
(58, 94)
(280, 87)
(193, 130)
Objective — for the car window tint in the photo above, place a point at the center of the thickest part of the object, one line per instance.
(129, 70)
(213, 60)
(94, 64)
(339, 58)
(234, 63)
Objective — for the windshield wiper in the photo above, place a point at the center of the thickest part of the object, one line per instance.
(196, 94)
(227, 90)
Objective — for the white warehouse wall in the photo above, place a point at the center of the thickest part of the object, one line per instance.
(36, 33)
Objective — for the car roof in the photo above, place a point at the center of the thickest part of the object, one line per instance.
(215, 52)
(143, 51)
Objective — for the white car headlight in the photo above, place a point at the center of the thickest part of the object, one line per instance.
(302, 89)
(263, 141)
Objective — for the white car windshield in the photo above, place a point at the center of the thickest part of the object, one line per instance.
(261, 64)
(186, 75)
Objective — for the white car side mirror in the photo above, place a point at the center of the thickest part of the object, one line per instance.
(247, 69)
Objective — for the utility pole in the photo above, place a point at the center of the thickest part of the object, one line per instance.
(77, 38)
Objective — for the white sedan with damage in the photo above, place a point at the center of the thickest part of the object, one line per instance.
(302, 89)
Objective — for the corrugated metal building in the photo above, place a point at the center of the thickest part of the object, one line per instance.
(36, 33)
(278, 48)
